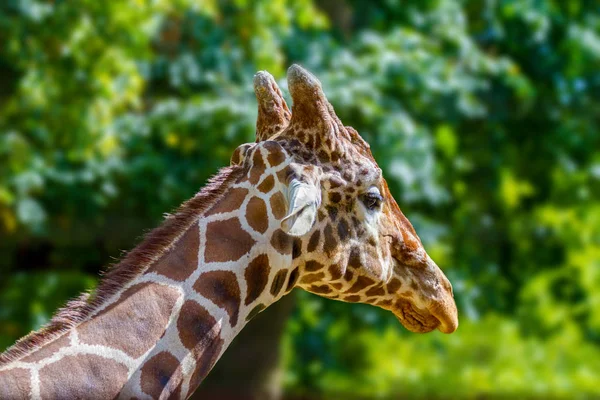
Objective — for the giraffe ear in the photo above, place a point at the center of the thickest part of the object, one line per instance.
(304, 200)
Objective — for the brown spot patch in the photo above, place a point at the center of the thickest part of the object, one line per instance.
(335, 156)
(371, 300)
(181, 261)
(256, 214)
(358, 227)
(296, 248)
(15, 384)
(310, 143)
(222, 288)
(384, 303)
(335, 197)
(312, 266)
(343, 229)
(335, 271)
(258, 167)
(276, 155)
(348, 275)
(330, 243)
(352, 299)
(282, 242)
(194, 324)
(267, 184)
(257, 276)
(337, 285)
(312, 278)
(226, 241)
(133, 308)
(278, 205)
(333, 212)
(354, 258)
(156, 374)
(375, 291)
(292, 280)
(282, 175)
(47, 350)
(313, 242)
(236, 157)
(278, 282)
(393, 286)
(321, 215)
(320, 289)
(231, 201)
(77, 376)
(323, 156)
(361, 283)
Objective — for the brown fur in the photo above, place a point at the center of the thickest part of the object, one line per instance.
(134, 263)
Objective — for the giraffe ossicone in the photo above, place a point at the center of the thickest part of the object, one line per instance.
(304, 206)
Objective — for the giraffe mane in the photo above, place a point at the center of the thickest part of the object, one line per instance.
(132, 264)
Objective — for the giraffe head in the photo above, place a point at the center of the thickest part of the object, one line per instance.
(350, 240)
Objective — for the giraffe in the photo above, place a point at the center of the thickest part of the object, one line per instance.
(305, 205)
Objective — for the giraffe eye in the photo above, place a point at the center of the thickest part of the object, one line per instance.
(372, 199)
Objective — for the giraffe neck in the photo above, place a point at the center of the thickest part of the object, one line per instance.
(165, 329)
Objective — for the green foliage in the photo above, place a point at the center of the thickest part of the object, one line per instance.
(32, 299)
(483, 115)
(489, 358)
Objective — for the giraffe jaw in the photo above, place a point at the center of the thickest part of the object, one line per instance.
(440, 315)
(415, 319)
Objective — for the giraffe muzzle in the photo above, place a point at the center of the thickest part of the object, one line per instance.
(434, 307)
(447, 315)
(414, 318)
(444, 307)
(440, 315)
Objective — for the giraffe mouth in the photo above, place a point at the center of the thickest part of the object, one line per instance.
(435, 309)
(437, 316)
(415, 319)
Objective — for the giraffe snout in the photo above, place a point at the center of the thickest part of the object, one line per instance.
(445, 312)
(443, 306)
(428, 301)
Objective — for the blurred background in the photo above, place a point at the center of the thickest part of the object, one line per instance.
(484, 116)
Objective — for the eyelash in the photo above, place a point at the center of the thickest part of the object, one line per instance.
(372, 200)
